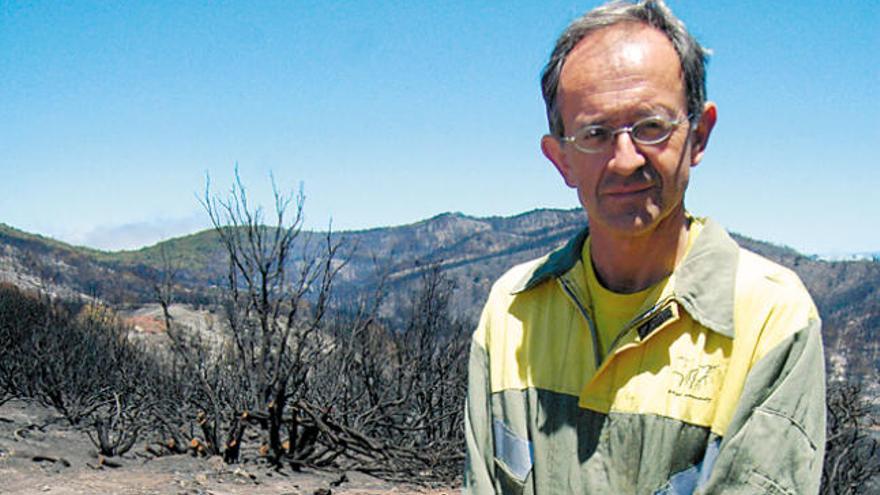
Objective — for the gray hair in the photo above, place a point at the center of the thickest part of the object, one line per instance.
(654, 13)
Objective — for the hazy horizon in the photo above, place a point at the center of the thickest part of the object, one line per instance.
(122, 235)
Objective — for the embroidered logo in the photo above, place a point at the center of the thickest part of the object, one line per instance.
(695, 381)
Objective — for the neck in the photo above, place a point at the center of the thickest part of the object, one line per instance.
(628, 263)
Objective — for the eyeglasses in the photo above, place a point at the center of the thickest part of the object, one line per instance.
(597, 138)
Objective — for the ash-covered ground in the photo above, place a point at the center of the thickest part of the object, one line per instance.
(41, 454)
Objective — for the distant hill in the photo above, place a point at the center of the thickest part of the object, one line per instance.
(473, 252)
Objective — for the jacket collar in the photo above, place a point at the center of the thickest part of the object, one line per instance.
(704, 281)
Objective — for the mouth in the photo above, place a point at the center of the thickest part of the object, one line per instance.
(628, 189)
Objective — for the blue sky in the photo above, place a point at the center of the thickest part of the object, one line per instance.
(391, 112)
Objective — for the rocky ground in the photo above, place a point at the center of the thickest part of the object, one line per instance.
(39, 454)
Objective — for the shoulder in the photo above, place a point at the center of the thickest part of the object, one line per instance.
(507, 289)
(771, 302)
(527, 286)
(759, 278)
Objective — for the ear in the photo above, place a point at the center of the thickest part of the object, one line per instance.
(552, 149)
(702, 131)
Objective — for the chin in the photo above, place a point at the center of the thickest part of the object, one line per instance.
(636, 221)
(629, 227)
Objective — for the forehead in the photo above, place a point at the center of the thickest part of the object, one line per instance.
(621, 68)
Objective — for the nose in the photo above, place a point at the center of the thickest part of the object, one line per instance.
(626, 158)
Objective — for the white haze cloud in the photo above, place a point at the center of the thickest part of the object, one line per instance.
(136, 235)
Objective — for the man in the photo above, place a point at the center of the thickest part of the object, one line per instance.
(650, 354)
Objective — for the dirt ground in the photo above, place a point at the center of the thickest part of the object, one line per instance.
(40, 455)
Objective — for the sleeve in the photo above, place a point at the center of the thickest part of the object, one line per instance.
(479, 463)
(775, 442)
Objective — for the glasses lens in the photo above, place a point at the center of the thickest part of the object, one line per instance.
(592, 138)
(652, 130)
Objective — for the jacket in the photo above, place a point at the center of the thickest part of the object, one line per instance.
(718, 387)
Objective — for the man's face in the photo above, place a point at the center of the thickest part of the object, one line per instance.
(615, 77)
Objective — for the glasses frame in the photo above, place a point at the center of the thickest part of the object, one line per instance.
(673, 125)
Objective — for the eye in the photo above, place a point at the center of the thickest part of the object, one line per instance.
(594, 134)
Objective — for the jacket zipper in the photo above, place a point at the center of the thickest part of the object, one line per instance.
(597, 351)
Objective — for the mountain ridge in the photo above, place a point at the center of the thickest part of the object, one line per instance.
(472, 252)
